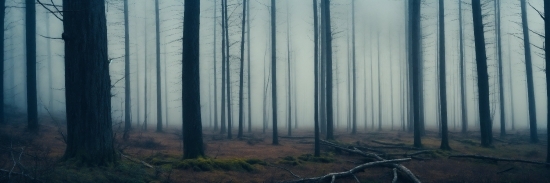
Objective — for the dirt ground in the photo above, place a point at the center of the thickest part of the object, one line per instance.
(435, 166)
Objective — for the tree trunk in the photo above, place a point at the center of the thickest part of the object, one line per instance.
(145, 79)
(224, 88)
(354, 105)
(274, 71)
(215, 69)
(30, 21)
(191, 105)
(547, 57)
(227, 58)
(316, 73)
(500, 79)
(379, 86)
(529, 71)
(249, 62)
(127, 96)
(241, 75)
(289, 115)
(329, 107)
(2, 35)
(323, 71)
(87, 83)
(442, 76)
(159, 98)
(415, 64)
(463, 100)
(482, 76)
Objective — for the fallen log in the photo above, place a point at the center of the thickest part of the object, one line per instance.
(400, 167)
(498, 159)
(137, 161)
(348, 173)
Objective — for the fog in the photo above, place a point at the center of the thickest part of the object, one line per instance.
(380, 33)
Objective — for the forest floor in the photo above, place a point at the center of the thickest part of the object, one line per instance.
(255, 159)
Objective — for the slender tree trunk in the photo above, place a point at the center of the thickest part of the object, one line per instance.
(316, 73)
(215, 68)
(547, 58)
(371, 83)
(241, 75)
(224, 94)
(274, 71)
(249, 62)
(127, 95)
(229, 112)
(323, 66)
(146, 78)
(379, 86)
(482, 76)
(87, 83)
(529, 71)
(463, 100)
(289, 120)
(166, 89)
(191, 105)
(500, 79)
(30, 19)
(354, 107)
(415, 64)
(391, 86)
(159, 92)
(442, 76)
(512, 119)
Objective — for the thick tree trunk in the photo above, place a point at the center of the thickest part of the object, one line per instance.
(241, 75)
(329, 107)
(127, 96)
(87, 83)
(529, 71)
(2, 60)
(159, 92)
(482, 76)
(442, 76)
(191, 105)
(415, 64)
(316, 73)
(274, 71)
(30, 22)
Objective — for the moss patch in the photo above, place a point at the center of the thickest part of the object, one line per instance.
(208, 164)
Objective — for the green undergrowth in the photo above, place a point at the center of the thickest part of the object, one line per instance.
(294, 161)
(123, 171)
(204, 163)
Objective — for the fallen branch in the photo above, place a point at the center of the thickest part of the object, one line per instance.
(394, 175)
(137, 161)
(348, 173)
(285, 169)
(498, 159)
(401, 168)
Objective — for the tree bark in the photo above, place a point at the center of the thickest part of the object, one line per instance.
(529, 72)
(329, 107)
(2, 59)
(500, 79)
(228, 63)
(224, 105)
(215, 69)
(482, 76)
(159, 92)
(274, 71)
(30, 22)
(127, 96)
(191, 105)
(87, 83)
(463, 110)
(547, 57)
(442, 78)
(316, 73)
(415, 64)
(241, 75)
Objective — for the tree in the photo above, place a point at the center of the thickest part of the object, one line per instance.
(224, 105)
(228, 78)
(215, 70)
(462, 82)
(442, 76)
(127, 96)
(316, 73)
(87, 83)
(328, 47)
(482, 76)
(248, 57)
(30, 21)
(529, 71)
(547, 57)
(500, 79)
(379, 85)
(2, 22)
(274, 71)
(241, 75)
(354, 105)
(289, 108)
(159, 98)
(191, 105)
(415, 64)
